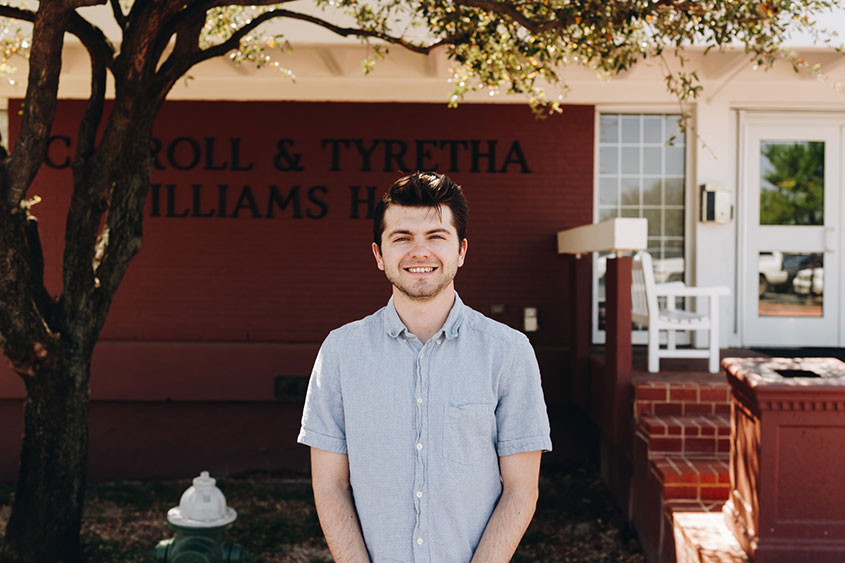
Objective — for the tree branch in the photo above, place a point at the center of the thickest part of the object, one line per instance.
(36, 269)
(24, 334)
(179, 63)
(17, 13)
(100, 60)
(511, 11)
(119, 16)
(41, 91)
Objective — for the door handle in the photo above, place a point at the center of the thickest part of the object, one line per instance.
(829, 239)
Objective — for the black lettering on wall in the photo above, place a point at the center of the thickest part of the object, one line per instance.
(155, 147)
(196, 209)
(477, 155)
(171, 203)
(515, 156)
(365, 153)
(335, 144)
(274, 197)
(355, 203)
(48, 160)
(424, 155)
(286, 161)
(193, 153)
(246, 201)
(221, 200)
(209, 156)
(155, 211)
(453, 152)
(394, 151)
(235, 143)
(312, 197)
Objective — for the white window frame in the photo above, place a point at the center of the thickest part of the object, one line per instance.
(641, 336)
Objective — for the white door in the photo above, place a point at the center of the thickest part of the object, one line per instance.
(791, 279)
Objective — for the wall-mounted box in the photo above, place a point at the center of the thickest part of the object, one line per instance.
(716, 204)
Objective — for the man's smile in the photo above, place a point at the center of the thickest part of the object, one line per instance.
(421, 269)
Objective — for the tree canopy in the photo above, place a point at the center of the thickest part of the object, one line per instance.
(502, 46)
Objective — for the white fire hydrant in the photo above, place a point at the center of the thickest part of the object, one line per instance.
(200, 522)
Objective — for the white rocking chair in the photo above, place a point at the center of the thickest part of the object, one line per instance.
(646, 311)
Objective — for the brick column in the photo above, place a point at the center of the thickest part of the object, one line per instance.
(617, 283)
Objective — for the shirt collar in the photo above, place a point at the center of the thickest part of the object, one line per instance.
(395, 327)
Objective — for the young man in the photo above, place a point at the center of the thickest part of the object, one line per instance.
(426, 420)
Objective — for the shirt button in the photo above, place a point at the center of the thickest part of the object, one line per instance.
(419, 447)
(439, 340)
(419, 400)
(422, 355)
(419, 541)
(419, 494)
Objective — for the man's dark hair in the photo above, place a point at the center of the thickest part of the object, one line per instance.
(423, 189)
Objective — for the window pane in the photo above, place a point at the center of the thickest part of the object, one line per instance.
(674, 135)
(609, 128)
(608, 192)
(791, 285)
(652, 129)
(606, 213)
(630, 128)
(608, 160)
(655, 223)
(675, 161)
(651, 193)
(673, 188)
(674, 222)
(630, 191)
(652, 160)
(630, 160)
(791, 183)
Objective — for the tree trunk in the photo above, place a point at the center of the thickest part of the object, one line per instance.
(47, 510)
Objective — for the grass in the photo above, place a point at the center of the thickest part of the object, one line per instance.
(576, 519)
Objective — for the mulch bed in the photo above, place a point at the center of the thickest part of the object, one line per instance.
(576, 519)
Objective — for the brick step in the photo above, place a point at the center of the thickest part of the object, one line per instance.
(700, 436)
(692, 479)
(701, 535)
(681, 398)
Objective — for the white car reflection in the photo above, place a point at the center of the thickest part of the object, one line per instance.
(772, 274)
(807, 278)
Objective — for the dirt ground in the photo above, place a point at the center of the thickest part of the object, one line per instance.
(575, 519)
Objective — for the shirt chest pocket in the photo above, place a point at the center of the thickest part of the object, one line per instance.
(468, 431)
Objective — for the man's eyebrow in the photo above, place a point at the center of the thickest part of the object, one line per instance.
(407, 232)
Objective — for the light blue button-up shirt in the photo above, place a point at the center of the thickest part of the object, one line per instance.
(424, 426)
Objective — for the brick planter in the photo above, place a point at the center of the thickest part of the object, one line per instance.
(787, 499)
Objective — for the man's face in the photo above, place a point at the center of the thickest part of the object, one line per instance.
(420, 251)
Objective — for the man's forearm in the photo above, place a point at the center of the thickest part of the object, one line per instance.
(506, 527)
(339, 520)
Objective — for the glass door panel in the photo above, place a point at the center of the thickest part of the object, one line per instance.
(792, 192)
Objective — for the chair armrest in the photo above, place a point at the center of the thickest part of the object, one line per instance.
(675, 290)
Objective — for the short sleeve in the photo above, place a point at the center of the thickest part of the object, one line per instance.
(521, 418)
(322, 418)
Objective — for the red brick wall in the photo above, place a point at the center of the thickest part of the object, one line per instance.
(215, 307)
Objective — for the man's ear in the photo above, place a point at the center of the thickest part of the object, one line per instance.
(462, 253)
(379, 259)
